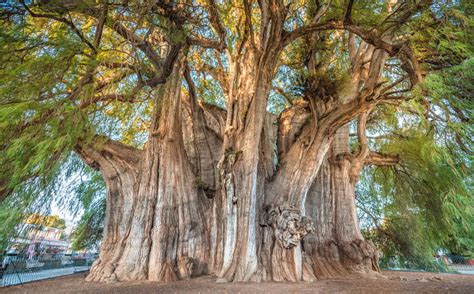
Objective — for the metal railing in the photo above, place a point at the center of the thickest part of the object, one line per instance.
(18, 270)
(447, 263)
(460, 264)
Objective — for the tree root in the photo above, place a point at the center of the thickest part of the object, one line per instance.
(356, 259)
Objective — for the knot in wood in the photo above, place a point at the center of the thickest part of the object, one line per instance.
(359, 250)
(289, 226)
(228, 160)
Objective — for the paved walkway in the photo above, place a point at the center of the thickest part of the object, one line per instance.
(15, 279)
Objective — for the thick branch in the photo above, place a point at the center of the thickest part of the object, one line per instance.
(288, 37)
(205, 43)
(167, 66)
(348, 13)
(361, 128)
(143, 45)
(100, 26)
(359, 159)
(372, 37)
(101, 149)
(382, 159)
(216, 22)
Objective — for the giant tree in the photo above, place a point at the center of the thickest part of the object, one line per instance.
(176, 104)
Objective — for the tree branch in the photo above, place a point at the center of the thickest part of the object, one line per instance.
(358, 160)
(142, 45)
(372, 37)
(205, 43)
(348, 13)
(382, 159)
(96, 153)
(100, 26)
(62, 20)
(216, 22)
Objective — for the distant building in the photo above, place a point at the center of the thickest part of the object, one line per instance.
(41, 237)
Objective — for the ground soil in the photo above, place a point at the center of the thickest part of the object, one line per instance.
(396, 282)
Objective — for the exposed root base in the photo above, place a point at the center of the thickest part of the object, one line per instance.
(235, 275)
(113, 272)
(184, 269)
(167, 273)
(354, 260)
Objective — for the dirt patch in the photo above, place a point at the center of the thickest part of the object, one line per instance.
(396, 282)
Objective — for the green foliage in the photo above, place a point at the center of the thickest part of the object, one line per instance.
(426, 202)
(39, 125)
(50, 221)
(90, 198)
(89, 230)
(29, 198)
(442, 35)
(423, 204)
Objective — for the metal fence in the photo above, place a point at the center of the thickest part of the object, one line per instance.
(18, 270)
(460, 264)
(450, 263)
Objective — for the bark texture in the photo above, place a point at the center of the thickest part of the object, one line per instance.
(241, 170)
(156, 210)
(337, 248)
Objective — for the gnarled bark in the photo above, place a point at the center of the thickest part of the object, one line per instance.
(241, 176)
(119, 166)
(337, 248)
(162, 231)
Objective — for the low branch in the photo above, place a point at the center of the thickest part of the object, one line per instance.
(382, 159)
(96, 153)
(358, 160)
(364, 145)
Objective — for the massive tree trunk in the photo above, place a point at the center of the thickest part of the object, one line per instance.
(304, 142)
(243, 168)
(156, 224)
(337, 248)
(205, 195)
(120, 168)
(209, 194)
